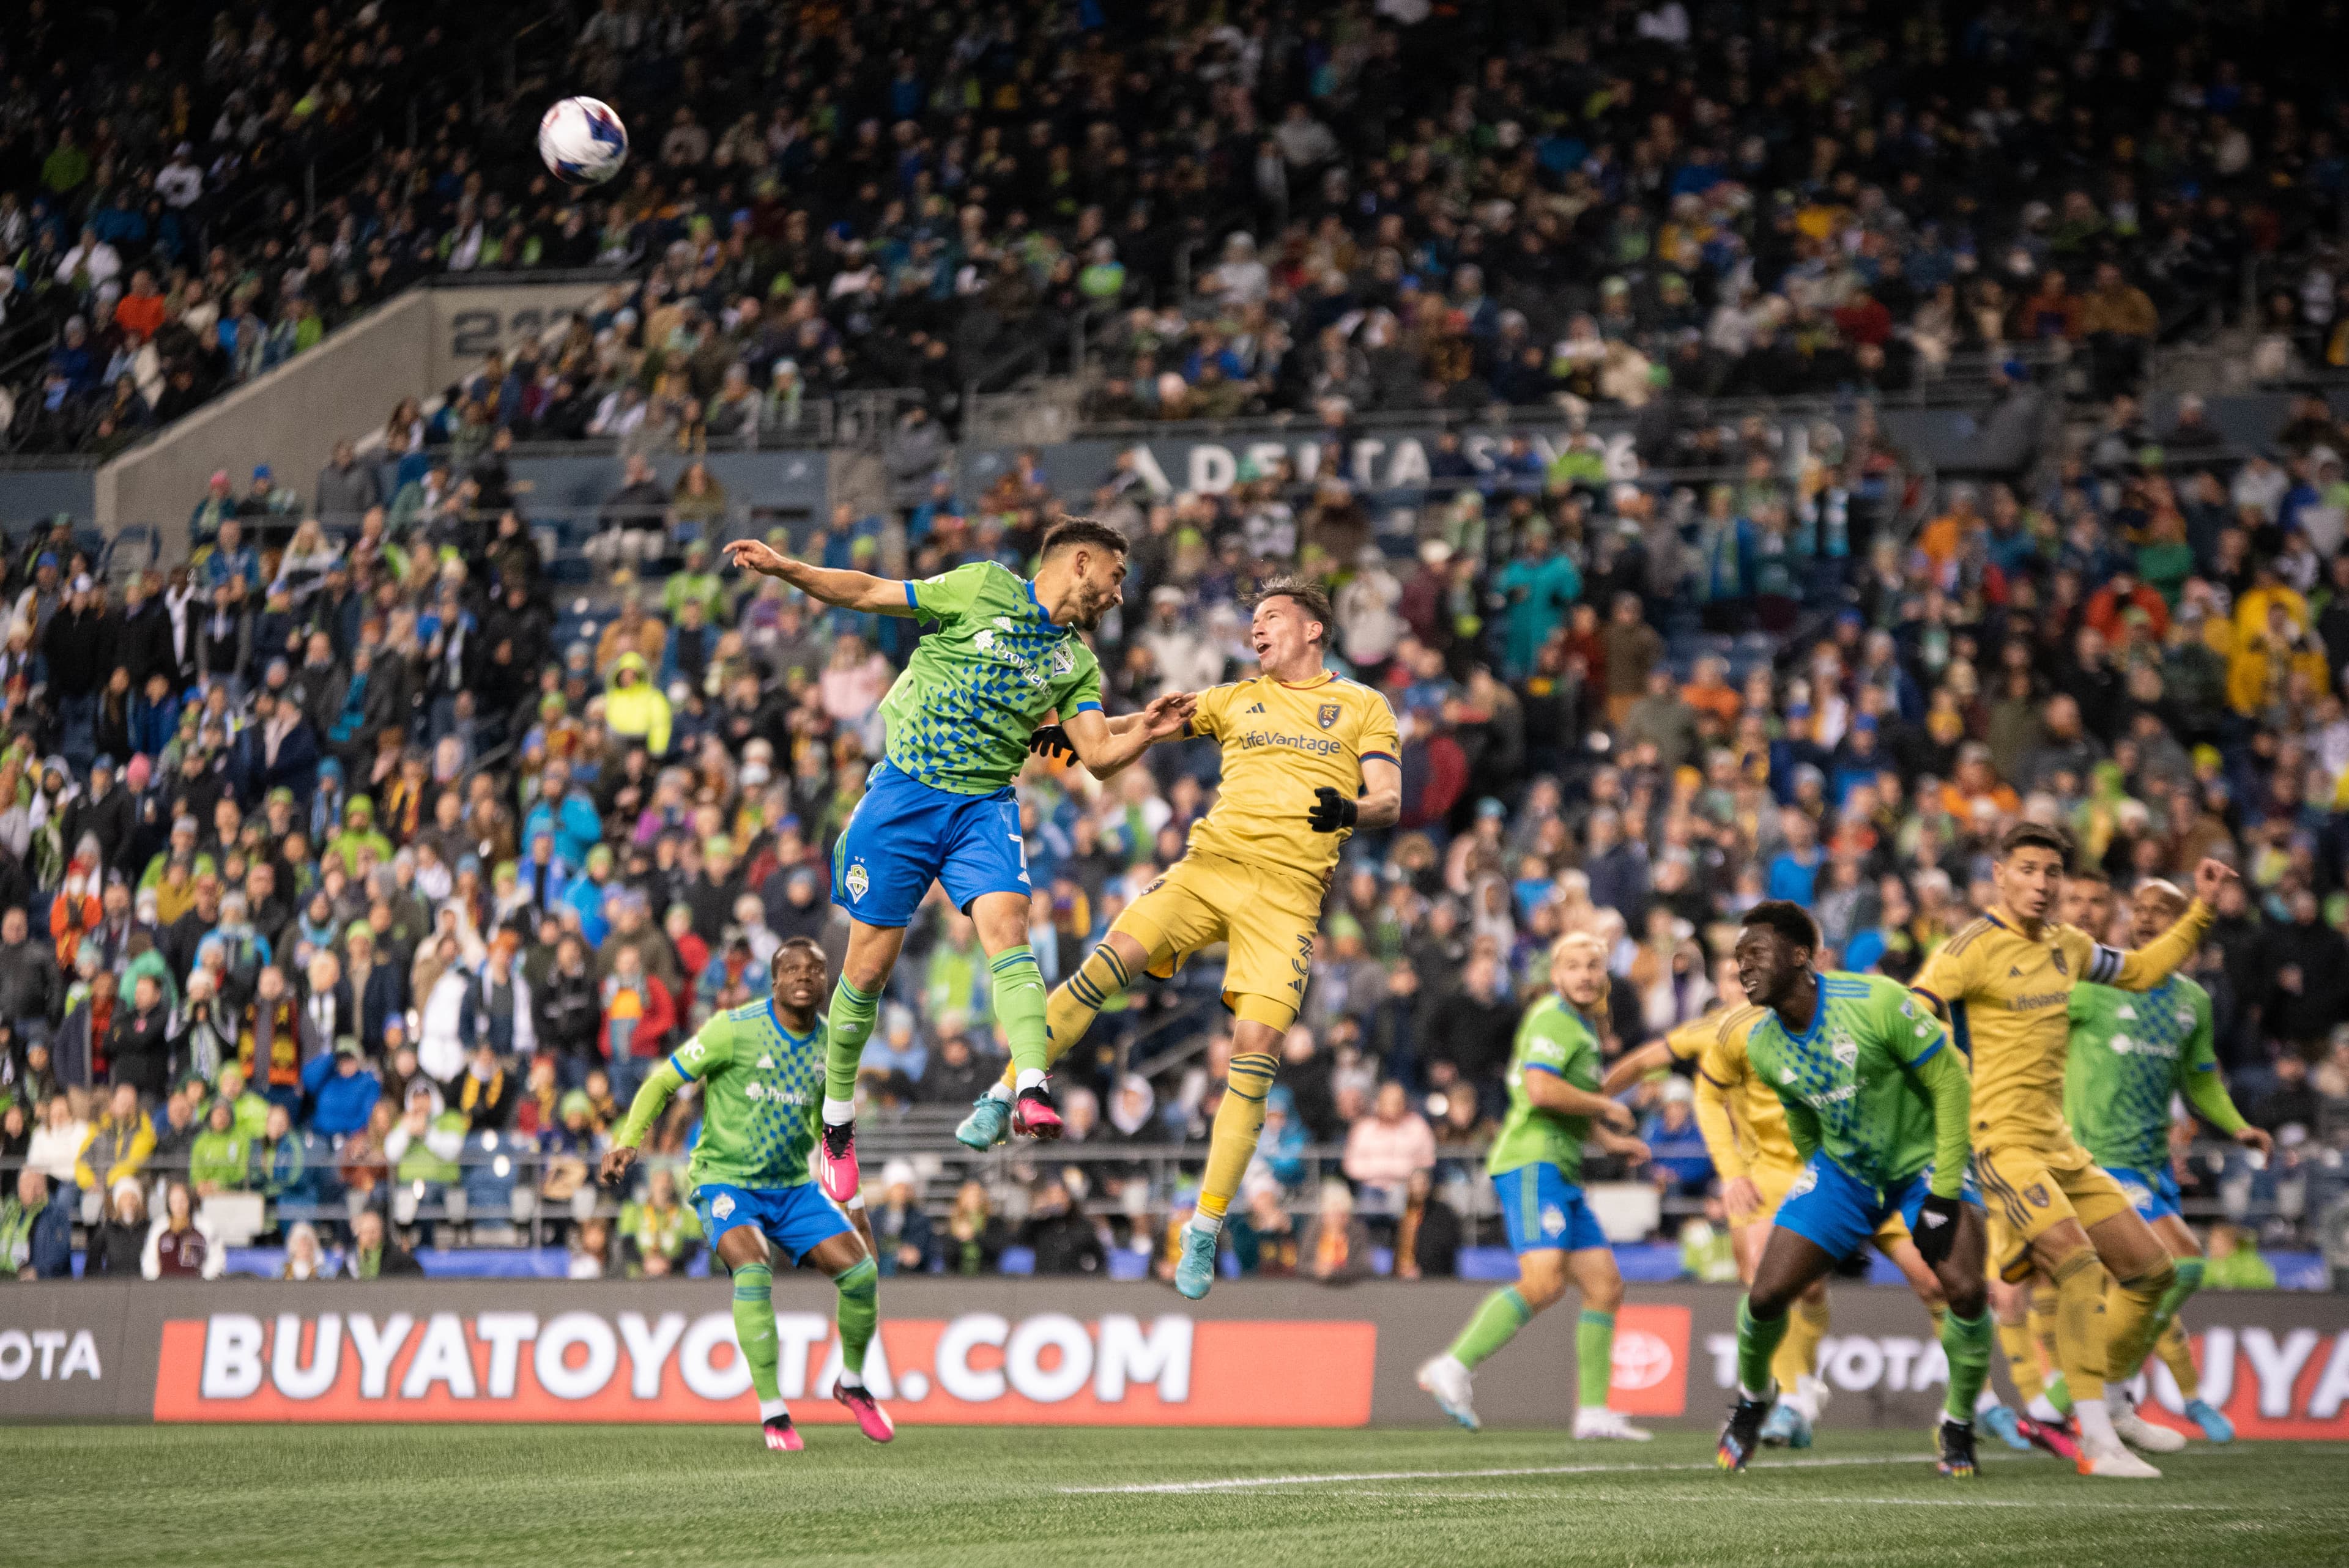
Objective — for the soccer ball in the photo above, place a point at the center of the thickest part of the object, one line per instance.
(582, 142)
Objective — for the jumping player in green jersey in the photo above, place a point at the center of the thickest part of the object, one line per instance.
(1536, 1166)
(1004, 659)
(2130, 1053)
(761, 1068)
(1876, 1105)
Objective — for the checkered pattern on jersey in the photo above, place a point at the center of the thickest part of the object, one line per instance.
(1822, 1069)
(975, 688)
(2139, 1071)
(761, 1107)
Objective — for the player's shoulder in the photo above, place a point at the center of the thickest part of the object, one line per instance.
(1737, 1024)
(1975, 931)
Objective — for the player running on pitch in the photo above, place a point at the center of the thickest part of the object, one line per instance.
(2004, 983)
(761, 1068)
(2130, 1053)
(1745, 1134)
(1307, 759)
(1879, 1109)
(1536, 1166)
(939, 805)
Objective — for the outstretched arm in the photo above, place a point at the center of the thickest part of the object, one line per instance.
(849, 590)
(1381, 800)
(1653, 1057)
(1106, 746)
(643, 1111)
(1552, 1092)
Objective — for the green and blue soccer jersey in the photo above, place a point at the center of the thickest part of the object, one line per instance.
(2131, 1052)
(1553, 1038)
(762, 1087)
(978, 686)
(1850, 1083)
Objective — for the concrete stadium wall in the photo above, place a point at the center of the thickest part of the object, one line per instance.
(1005, 1351)
(290, 418)
(37, 495)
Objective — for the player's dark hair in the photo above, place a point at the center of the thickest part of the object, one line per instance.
(1309, 598)
(2089, 874)
(1071, 531)
(2036, 835)
(775, 964)
(1788, 919)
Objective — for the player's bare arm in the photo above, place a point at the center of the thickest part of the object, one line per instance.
(1107, 746)
(848, 590)
(1552, 1092)
(1654, 1057)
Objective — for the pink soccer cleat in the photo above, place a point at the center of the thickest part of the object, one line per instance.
(871, 1418)
(835, 1161)
(1034, 1114)
(782, 1438)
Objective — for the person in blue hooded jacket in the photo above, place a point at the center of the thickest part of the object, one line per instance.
(341, 1089)
(570, 814)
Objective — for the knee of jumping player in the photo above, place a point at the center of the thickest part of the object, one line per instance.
(1541, 1278)
(1601, 1282)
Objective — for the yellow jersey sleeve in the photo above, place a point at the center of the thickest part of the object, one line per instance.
(2137, 968)
(1376, 735)
(1207, 718)
(1947, 976)
(1722, 1074)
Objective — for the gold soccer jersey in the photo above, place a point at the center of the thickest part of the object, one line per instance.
(2007, 997)
(1280, 744)
(1744, 1125)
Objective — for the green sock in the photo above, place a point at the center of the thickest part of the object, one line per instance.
(1020, 1007)
(1966, 1341)
(2189, 1281)
(2059, 1392)
(1757, 1341)
(848, 1023)
(1495, 1324)
(754, 1325)
(860, 1310)
(1594, 1355)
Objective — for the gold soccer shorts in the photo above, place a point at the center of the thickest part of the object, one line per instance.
(2029, 1192)
(1266, 918)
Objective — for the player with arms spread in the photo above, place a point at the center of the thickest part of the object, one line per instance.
(1307, 759)
(1878, 1108)
(2004, 983)
(939, 805)
(760, 1069)
(1536, 1166)
(1754, 1155)
(2130, 1054)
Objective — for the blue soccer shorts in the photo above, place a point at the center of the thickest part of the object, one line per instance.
(1831, 1207)
(1545, 1212)
(796, 1219)
(904, 835)
(2152, 1193)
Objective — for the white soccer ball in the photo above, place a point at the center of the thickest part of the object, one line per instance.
(582, 142)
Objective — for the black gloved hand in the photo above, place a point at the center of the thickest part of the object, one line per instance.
(1331, 811)
(1936, 1229)
(1051, 740)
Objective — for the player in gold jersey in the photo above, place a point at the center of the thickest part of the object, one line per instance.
(1308, 759)
(1744, 1130)
(2005, 984)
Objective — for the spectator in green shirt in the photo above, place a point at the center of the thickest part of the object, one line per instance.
(221, 1160)
(2235, 1262)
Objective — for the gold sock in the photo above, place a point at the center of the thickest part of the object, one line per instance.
(2042, 1318)
(1239, 1121)
(1798, 1355)
(2178, 1356)
(2132, 1318)
(2081, 1339)
(2021, 1359)
(1939, 1313)
(1075, 1002)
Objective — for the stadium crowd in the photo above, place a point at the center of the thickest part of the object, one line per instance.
(330, 876)
(1267, 206)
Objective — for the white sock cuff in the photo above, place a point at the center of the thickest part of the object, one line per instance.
(1001, 1091)
(836, 1112)
(769, 1409)
(848, 1379)
(1209, 1225)
(1029, 1077)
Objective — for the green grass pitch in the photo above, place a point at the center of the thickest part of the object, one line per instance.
(583, 1497)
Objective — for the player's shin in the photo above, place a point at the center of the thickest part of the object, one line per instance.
(1594, 1356)
(849, 1021)
(1797, 1353)
(2081, 1342)
(1018, 994)
(2169, 1340)
(754, 1332)
(1757, 1343)
(2058, 1389)
(1966, 1341)
(2132, 1317)
(1495, 1322)
(2021, 1360)
(1239, 1122)
(860, 1312)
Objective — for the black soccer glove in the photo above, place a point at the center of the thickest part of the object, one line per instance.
(1051, 740)
(1331, 811)
(1936, 1233)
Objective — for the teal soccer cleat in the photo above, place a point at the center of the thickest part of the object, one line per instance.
(2215, 1425)
(2002, 1424)
(1785, 1428)
(988, 1124)
(1196, 1271)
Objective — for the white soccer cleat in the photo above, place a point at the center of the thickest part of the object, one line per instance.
(1599, 1422)
(2141, 1434)
(2114, 1463)
(1810, 1396)
(1449, 1384)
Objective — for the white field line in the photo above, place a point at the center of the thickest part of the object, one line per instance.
(1741, 1499)
(1249, 1483)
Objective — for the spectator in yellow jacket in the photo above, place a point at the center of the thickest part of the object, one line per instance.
(118, 1143)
